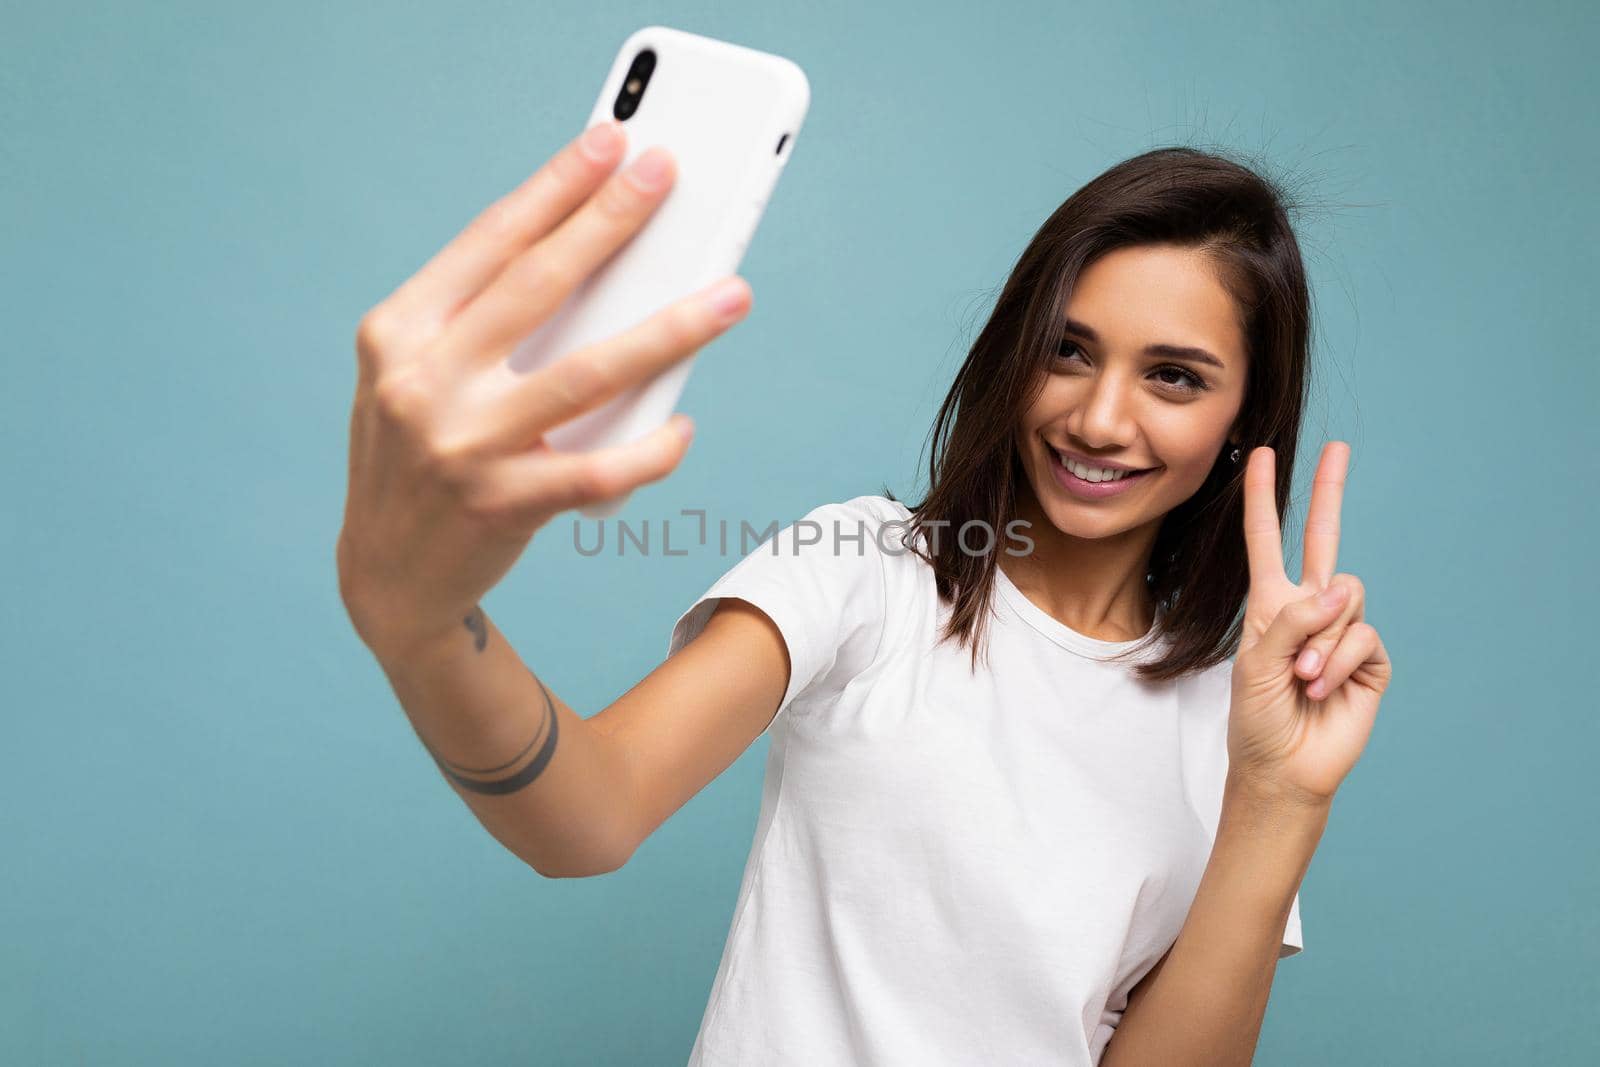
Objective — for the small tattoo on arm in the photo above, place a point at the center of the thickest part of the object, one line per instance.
(479, 627)
(482, 780)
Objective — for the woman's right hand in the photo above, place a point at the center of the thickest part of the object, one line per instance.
(449, 475)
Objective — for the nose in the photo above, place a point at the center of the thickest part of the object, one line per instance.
(1101, 419)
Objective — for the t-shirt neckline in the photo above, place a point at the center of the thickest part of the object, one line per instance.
(1054, 628)
(1041, 620)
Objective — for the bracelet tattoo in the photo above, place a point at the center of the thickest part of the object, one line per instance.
(512, 782)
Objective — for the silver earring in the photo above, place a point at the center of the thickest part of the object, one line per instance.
(1233, 457)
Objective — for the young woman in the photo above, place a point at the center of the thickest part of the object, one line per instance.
(1021, 806)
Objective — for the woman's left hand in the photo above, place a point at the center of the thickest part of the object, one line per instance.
(1310, 669)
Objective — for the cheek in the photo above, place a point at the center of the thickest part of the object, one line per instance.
(1187, 454)
(1053, 399)
(1189, 427)
(1188, 446)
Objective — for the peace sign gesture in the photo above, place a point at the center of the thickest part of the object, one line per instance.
(1310, 670)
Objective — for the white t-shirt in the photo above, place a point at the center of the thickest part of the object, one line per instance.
(952, 867)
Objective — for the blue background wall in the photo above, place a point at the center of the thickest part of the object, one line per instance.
(221, 841)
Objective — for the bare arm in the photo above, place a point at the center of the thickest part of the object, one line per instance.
(574, 797)
(1205, 1001)
(450, 478)
(530, 768)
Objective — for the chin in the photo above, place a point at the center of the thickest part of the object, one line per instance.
(1068, 517)
(1088, 520)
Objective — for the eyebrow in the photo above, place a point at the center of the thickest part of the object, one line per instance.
(1169, 351)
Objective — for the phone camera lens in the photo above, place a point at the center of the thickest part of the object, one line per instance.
(633, 86)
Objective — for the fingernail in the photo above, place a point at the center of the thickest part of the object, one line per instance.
(727, 298)
(649, 171)
(1332, 595)
(600, 141)
(686, 429)
(1309, 660)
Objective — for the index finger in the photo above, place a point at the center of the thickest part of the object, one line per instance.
(509, 416)
(1263, 538)
(545, 274)
(1322, 518)
(475, 256)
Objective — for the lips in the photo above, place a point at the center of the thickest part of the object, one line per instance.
(1086, 490)
(1116, 471)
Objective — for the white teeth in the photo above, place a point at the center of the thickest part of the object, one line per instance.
(1091, 474)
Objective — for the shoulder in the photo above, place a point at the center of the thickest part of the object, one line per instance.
(842, 545)
(861, 528)
(1209, 692)
(1216, 680)
(1205, 698)
(869, 509)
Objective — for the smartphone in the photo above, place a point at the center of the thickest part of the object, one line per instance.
(730, 116)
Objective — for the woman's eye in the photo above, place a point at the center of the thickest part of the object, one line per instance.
(1067, 350)
(1184, 380)
(1188, 380)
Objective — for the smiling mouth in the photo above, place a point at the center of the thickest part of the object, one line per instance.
(1095, 475)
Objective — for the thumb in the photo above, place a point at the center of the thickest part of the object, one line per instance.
(1299, 619)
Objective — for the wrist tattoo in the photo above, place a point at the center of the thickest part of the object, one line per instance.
(483, 780)
(478, 626)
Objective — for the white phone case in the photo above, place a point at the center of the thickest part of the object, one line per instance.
(730, 116)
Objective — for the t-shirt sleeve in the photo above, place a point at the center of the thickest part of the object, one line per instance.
(820, 580)
(1292, 942)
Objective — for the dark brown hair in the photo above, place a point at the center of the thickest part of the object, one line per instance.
(1198, 572)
